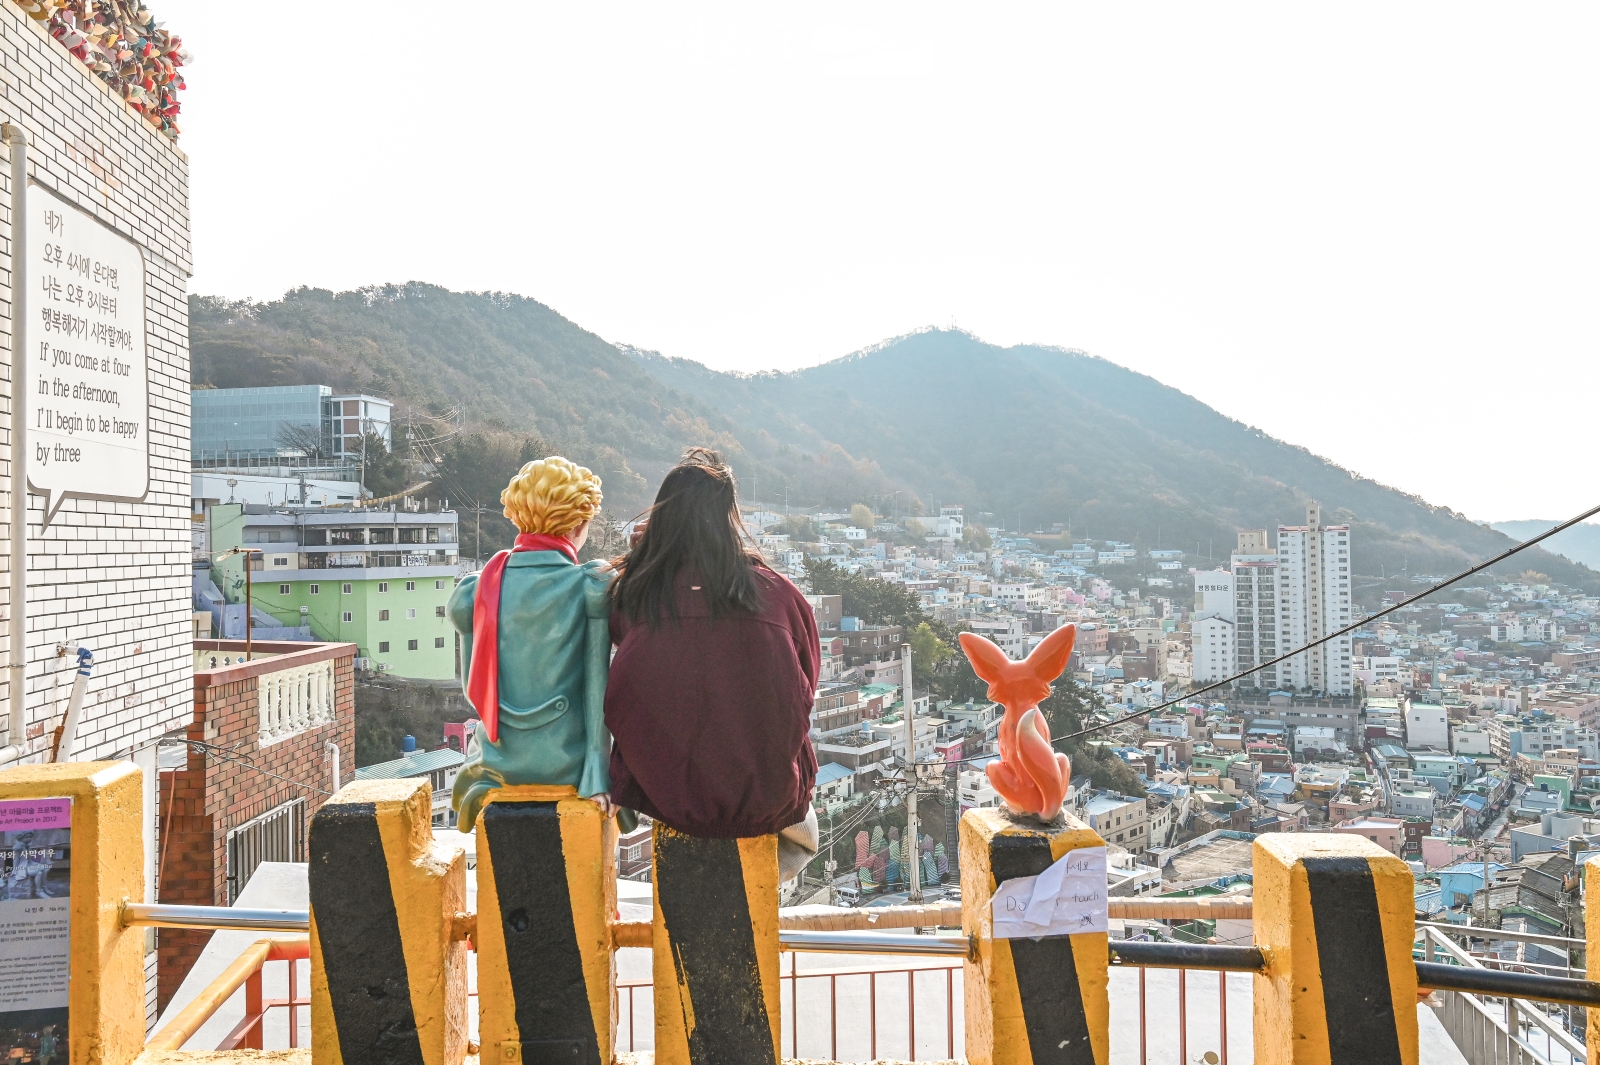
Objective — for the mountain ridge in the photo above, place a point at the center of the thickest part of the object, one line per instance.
(1029, 435)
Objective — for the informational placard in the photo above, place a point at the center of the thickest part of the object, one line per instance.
(1068, 898)
(84, 332)
(35, 944)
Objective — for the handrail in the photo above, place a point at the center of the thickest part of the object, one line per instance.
(1433, 937)
(1161, 955)
(1560, 989)
(192, 1017)
(873, 943)
(1473, 931)
(162, 915)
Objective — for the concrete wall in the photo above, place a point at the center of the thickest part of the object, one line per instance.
(111, 576)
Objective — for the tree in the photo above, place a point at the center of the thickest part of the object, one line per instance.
(976, 538)
(861, 516)
(384, 472)
(797, 528)
(915, 529)
(308, 440)
(928, 651)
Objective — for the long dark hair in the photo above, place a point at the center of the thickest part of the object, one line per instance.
(693, 525)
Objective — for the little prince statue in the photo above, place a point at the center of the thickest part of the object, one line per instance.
(534, 635)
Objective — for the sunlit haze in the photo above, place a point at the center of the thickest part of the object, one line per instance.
(1369, 232)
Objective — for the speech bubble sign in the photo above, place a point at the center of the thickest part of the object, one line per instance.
(87, 368)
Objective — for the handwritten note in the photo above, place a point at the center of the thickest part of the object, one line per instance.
(1066, 899)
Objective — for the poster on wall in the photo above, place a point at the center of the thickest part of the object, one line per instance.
(35, 879)
(84, 332)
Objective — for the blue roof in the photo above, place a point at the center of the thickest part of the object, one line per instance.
(833, 771)
(1474, 803)
(412, 765)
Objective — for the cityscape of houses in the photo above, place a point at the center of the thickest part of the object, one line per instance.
(1459, 735)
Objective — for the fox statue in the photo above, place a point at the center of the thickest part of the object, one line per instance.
(1031, 776)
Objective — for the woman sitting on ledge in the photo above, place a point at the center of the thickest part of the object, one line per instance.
(710, 694)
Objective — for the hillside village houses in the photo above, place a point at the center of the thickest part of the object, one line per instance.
(1437, 731)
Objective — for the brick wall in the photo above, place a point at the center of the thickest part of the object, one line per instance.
(214, 793)
(110, 576)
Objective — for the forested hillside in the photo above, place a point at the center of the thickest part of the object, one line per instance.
(1028, 435)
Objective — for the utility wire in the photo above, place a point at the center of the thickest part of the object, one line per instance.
(1463, 575)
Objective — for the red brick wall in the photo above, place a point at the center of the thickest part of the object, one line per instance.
(221, 789)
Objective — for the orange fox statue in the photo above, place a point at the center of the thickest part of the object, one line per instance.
(1031, 776)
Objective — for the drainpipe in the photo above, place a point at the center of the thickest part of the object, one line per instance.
(333, 752)
(69, 728)
(17, 622)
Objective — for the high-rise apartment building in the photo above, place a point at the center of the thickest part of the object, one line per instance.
(1313, 601)
(1211, 627)
(1255, 607)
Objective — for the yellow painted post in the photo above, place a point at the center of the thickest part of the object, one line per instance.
(1591, 934)
(1335, 917)
(388, 980)
(1027, 1000)
(547, 890)
(715, 941)
(106, 988)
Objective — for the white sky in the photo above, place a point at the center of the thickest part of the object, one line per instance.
(1370, 230)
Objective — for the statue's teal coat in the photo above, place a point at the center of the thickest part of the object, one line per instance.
(555, 651)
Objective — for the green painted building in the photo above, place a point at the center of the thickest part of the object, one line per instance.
(379, 579)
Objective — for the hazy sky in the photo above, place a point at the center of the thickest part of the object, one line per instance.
(1371, 230)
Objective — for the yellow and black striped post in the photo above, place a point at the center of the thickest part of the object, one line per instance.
(1335, 918)
(715, 939)
(547, 888)
(105, 985)
(1029, 1000)
(388, 978)
(1591, 934)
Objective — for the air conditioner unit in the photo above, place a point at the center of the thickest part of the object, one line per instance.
(363, 663)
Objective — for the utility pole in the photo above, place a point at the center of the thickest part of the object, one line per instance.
(914, 857)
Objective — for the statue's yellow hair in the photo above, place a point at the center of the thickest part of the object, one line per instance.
(552, 496)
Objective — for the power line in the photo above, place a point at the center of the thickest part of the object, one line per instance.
(1463, 575)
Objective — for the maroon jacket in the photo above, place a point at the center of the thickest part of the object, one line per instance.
(711, 718)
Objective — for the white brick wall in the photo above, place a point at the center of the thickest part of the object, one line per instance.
(113, 577)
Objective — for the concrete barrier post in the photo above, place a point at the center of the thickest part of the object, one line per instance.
(1335, 917)
(547, 889)
(388, 979)
(103, 978)
(715, 940)
(1591, 935)
(1029, 1000)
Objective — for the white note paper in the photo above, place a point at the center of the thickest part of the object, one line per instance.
(1066, 899)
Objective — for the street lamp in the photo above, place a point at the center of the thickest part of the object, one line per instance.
(249, 627)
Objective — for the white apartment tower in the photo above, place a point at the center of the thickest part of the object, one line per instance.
(1255, 607)
(1314, 600)
(1212, 627)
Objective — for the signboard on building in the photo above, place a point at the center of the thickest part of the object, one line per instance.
(35, 945)
(84, 335)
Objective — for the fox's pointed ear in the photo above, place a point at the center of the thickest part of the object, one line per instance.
(988, 661)
(1050, 658)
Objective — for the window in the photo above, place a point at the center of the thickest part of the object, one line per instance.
(280, 560)
(433, 536)
(315, 588)
(438, 612)
(439, 586)
(411, 645)
(383, 648)
(346, 588)
(383, 536)
(347, 616)
(383, 586)
(411, 586)
(411, 613)
(438, 641)
(283, 589)
(383, 615)
(411, 536)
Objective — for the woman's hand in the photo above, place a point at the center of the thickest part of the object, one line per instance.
(603, 800)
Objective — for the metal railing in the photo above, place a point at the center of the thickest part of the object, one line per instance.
(1492, 1016)
(244, 971)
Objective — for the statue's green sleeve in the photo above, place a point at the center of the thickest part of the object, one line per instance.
(460, 610)
(597, 666)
